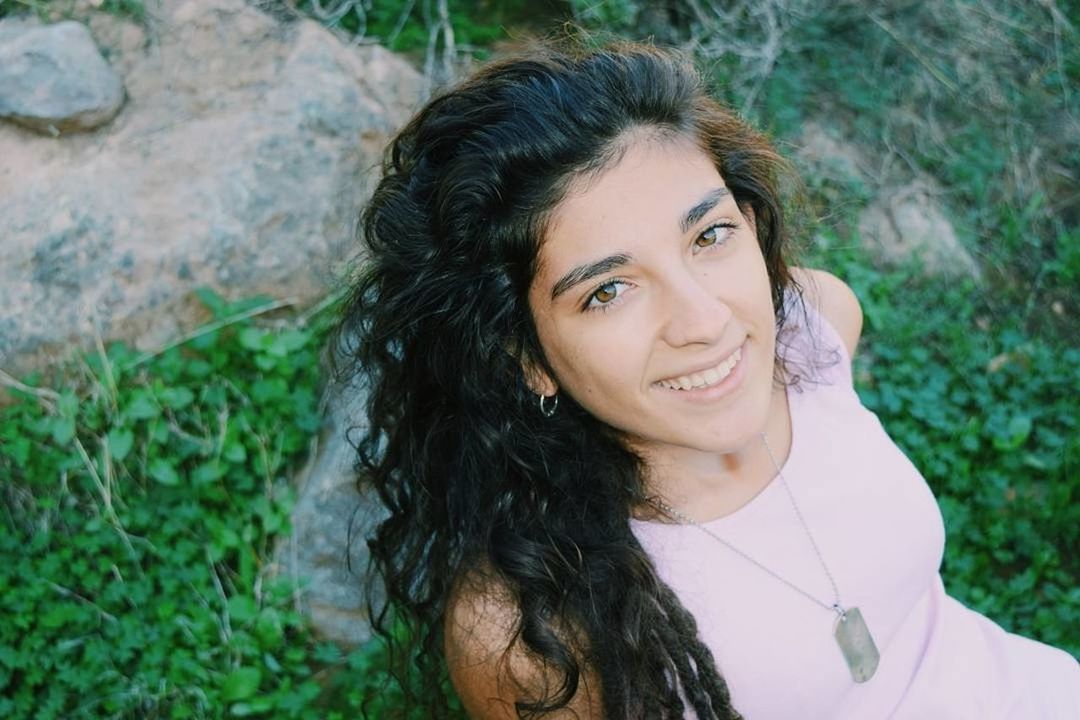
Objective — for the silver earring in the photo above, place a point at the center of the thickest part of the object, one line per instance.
(544, 409)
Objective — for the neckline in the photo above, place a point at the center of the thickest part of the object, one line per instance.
(757, 499)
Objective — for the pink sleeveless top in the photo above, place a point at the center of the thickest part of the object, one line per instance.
(881, 534)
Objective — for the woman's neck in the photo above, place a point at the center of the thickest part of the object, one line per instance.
(706, 486)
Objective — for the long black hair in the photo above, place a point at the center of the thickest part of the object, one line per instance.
(472, 475)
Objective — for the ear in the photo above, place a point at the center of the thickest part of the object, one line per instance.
(538, 379)
(747, 211)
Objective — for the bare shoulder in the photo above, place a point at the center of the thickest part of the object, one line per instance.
(490, 666)
(832, 297)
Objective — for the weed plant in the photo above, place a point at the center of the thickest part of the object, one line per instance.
(141, 502)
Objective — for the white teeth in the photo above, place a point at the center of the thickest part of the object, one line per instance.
(704, 378)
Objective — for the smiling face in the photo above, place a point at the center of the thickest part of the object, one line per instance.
(653, 306)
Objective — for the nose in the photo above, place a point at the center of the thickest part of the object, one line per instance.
(694, 313)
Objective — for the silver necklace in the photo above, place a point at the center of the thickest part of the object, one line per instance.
(849, 629)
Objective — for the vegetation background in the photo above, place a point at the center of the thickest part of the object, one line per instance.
(142, 494)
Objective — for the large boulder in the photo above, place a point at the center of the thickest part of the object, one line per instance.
(327, 553)
(53, 79)
(239, 163)
(906, 222)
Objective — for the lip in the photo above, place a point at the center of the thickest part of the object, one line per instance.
(725, 386)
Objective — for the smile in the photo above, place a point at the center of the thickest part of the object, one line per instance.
(704, 378)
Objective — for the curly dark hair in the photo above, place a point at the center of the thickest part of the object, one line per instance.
(470, 473)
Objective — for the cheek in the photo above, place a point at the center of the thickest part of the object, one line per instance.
(598, 371)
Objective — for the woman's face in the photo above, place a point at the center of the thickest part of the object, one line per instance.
(653, 306)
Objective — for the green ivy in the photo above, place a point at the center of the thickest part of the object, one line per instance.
(141, 504)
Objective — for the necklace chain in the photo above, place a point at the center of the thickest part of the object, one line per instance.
(836, 607)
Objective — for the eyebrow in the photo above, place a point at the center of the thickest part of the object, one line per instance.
(707, 203)
(588, 271)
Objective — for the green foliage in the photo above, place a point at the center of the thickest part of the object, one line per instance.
(141, 504)
(406, 25)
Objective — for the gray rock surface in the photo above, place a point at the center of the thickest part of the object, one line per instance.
(907, 222)
(54, 80)
(331, 521)
(240, 163)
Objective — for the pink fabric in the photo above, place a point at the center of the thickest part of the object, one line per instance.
(882, 536)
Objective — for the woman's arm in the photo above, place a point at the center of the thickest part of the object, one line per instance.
(490, 667)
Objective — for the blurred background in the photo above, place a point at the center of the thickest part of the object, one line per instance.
(179, 184)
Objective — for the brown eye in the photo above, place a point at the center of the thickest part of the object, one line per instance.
(714, 235)
(706, 238)
(605, 293)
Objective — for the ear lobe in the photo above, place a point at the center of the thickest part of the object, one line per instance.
(747, 211)
(538, 379)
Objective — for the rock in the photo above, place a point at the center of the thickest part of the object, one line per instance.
(53, 79)
(906, 222)
(240, 163)
(822, 153)
(331, 521)
(902, 219)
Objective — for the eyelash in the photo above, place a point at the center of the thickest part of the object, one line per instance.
(726, 224)
(604, 307)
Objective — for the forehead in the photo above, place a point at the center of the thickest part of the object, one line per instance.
(647, 188)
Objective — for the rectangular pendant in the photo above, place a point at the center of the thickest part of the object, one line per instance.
(856, 644)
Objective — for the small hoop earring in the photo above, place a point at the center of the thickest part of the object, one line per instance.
(544, 409)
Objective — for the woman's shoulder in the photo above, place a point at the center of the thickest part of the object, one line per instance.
(833, 300)
(490, 666)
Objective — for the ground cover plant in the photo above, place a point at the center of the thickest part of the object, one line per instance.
(141, 499)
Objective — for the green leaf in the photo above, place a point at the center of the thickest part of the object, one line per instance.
(242, 608)
(241, 684)
(119, 442)
(58, 615)
(265, 362)
(1019, 429)
(255, 706)
(213, 302)
(162, 471)
(141, 406)
(68, 404)
(269, 630)
(263, 391)
(176, 398)
(62, 429)
(253, 338)
(235, 452)
(18, 449)
(207, 473)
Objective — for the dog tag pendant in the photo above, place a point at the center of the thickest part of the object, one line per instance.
(856, 644)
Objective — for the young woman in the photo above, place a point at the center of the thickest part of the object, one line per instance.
(626, 472)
